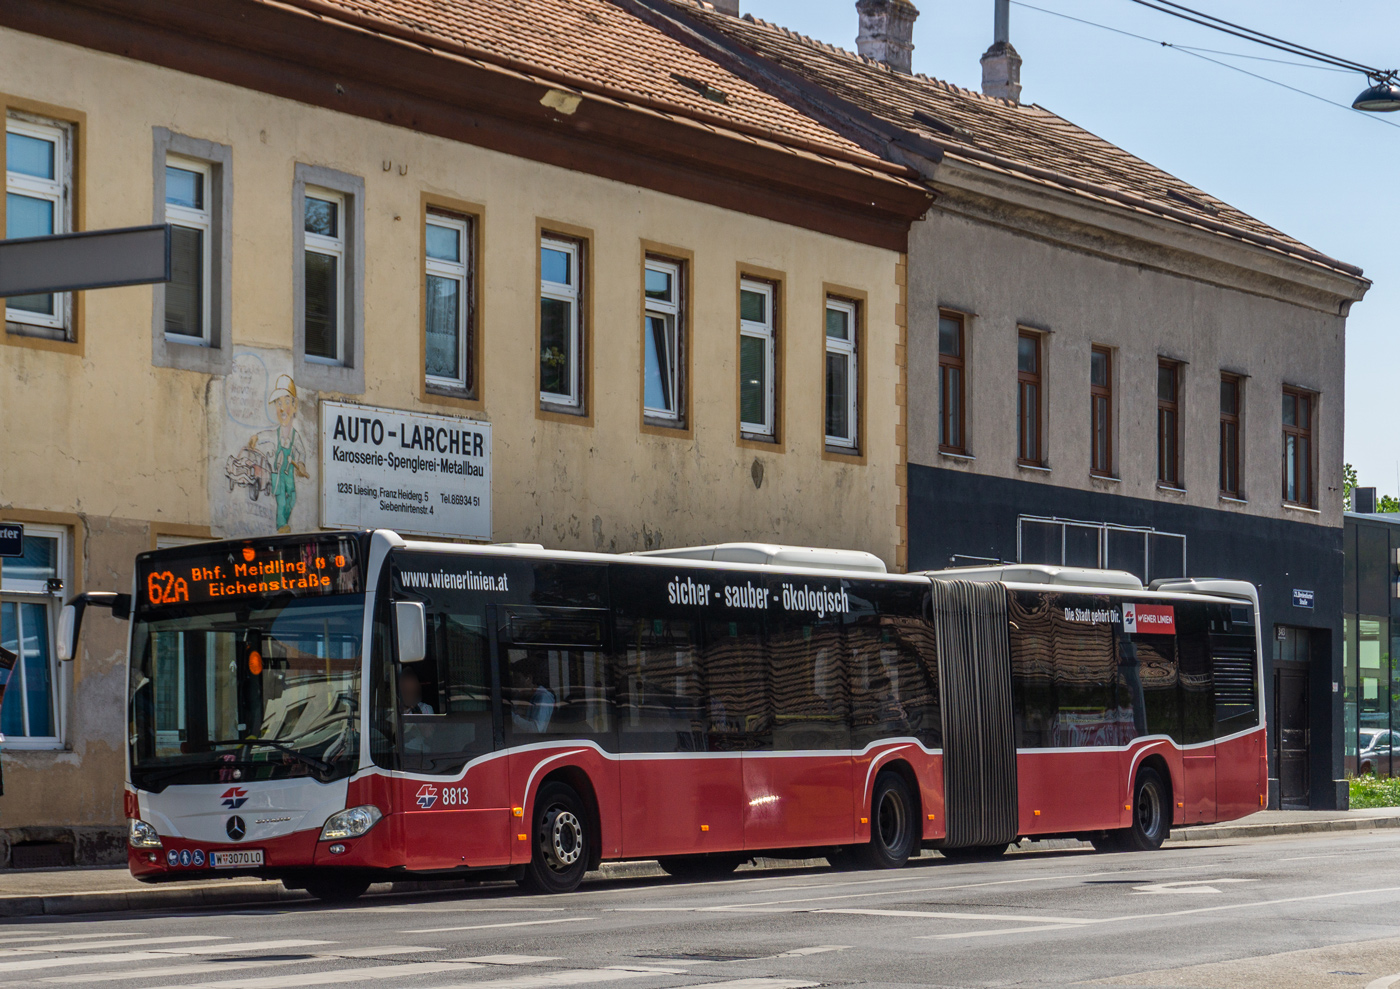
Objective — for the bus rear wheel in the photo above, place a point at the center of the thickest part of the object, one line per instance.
(336, 889)
(893, 837)
(1151, 809)
(714, 866)
(560, 855)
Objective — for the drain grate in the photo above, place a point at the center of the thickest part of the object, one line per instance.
(40, 855)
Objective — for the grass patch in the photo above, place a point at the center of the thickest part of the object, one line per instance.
(1373, 791)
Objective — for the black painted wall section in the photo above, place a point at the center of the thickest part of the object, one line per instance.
(954, 512)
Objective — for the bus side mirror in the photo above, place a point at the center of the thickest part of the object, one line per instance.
(410, 631)
(67, 633)
(70, 620)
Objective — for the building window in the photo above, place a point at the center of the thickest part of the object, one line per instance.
(1298, 447)
(1231, 402)
(952, 383)
(38, 203)
(1029, 400)
(449, 305)
(1101, 411)
(1169, 423)
(757, 358)
(842, 379)
(324, 287)
(188, 196)
(561, 324)
(31, 594)
(663, 399)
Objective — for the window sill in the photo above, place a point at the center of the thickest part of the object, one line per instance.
(953, 455)
(1038, 468)
(443, 389)
(13, 745)
(1288, 506)
(37, 331)
(1170, 488)
(1232, 500)
(758, 438)
(1111, 478)
(562, 410)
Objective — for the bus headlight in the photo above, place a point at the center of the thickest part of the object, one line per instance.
(350, 823)
(139, 834)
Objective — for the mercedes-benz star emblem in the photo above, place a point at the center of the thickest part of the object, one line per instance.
(235, 828)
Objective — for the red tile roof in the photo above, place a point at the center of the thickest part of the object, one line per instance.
(1028, 141)
(597, 48)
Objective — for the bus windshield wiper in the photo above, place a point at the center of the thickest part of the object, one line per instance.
(319, 765)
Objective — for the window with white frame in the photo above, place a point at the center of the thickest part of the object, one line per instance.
(662, 342)
(561, 328)
(324, 286)
(842, 398)
(757, 358)
(188, 210)
(31, 595)
(448, 306)
(38, 202)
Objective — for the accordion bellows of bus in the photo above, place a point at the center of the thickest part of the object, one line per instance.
(336, 709)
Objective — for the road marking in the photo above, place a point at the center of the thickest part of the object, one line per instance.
(574, 977)
(220, 949)
(484, 927)
(820, 949)
(513, 959)
(32, 964)
(336, 976)
(452, 908)
(757, 984)
(374, 951)
(69, 937)
(109, 945)
(1003, 930)
(1188, 886)
(940, 915)
(197, 968)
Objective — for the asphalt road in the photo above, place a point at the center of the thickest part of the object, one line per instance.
(1309, 911)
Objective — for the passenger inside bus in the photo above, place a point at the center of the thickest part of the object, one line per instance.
(533, 702)
(411, 693)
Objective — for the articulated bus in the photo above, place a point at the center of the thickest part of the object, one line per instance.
(335, 709)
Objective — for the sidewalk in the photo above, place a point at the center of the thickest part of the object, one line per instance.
(42, 892)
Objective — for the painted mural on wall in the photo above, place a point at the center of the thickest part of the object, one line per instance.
(263, 448)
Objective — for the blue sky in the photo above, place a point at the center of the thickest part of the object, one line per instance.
(1318, 172)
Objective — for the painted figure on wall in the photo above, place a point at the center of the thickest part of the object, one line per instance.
(284, 450)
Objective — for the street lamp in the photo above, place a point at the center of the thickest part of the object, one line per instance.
(1383, 96)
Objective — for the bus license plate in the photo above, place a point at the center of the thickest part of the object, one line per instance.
(241, 859)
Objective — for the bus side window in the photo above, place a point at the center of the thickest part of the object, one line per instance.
(1197, 681)
(661, 704)
(1032, 661)
(740, 711)
(444, 700)
(557, 690)
(1157, 669)
(810, 700)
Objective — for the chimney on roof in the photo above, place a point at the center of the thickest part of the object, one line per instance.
(887, 32)
(1001, 65)
(730, 7)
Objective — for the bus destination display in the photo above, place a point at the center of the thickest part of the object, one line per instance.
(229, 572)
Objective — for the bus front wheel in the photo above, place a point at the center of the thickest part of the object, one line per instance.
(1151, 809)
(893, 837)
(560, 855)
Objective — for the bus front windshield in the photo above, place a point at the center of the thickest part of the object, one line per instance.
(265, 689)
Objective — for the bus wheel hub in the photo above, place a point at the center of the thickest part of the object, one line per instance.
(565, 839)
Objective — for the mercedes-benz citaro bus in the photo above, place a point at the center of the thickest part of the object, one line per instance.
(335, 709)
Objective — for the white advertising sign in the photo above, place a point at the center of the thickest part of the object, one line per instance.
(413, 473)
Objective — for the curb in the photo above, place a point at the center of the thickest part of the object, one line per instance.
(265, 892)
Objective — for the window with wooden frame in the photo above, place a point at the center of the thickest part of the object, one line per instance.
(1231, 409)
(1030, 399)
(1169, 423)
(561, 322)
(38, 203)
(1101, 411)
(952, 382)
(1299, 409)
(449, 306)
(324, 285)
(663, 342)
(757, 359)
(842, 376)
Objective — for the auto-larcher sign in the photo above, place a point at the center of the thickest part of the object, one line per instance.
(406, 471)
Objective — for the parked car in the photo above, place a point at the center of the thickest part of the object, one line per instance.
(1374, 756)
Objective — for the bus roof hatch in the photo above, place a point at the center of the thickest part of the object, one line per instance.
(774, 554)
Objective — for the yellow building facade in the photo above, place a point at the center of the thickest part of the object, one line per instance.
(322, 255)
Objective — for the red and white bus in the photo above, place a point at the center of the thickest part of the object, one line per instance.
(336, 709)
